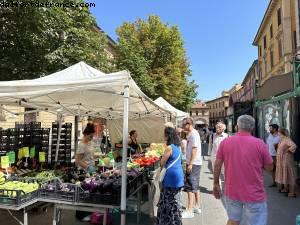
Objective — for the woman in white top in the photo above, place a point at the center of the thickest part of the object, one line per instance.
(85, 153)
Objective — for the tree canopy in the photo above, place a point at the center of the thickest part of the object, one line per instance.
(36, 41)
(154, 53)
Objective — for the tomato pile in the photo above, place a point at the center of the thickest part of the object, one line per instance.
(146, 161)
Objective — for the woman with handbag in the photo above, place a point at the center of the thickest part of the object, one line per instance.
(171, 177)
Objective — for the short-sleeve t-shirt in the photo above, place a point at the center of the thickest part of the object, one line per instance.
(88, 152)
(193, 141)
(271, 141)
(244, 157)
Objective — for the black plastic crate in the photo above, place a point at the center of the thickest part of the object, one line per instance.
(98, 198)
(69, 193)
(35, 125)
(16, 197)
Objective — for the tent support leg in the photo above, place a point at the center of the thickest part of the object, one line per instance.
(76, 133)
(59, 118)
(124, 156)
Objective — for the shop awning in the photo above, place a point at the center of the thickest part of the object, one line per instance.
(275, 86)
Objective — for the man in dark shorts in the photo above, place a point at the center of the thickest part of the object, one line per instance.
(193, 168)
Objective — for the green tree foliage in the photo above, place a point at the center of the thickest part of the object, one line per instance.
(154, 54)
(38, 41)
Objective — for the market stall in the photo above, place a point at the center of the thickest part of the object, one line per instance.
(81, 90)
(179, 115)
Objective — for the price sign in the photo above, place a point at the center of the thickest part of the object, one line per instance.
(11, 157)
(42, 157)
(4, 162)
(20, 153)
(32, 152)
(26, 151)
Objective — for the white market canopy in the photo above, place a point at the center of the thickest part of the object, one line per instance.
(81, 90)
(180, 115)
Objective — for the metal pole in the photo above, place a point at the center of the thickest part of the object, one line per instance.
(124, 156)
(76, 133)
(59, 118)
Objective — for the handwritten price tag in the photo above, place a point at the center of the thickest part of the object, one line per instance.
(42, 157)
(11, 157)
(4, 162)
(26, 151)
(32, 152)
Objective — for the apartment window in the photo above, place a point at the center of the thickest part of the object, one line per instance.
(280, 48)
(279, 16)
(203, 113)
(272, 58)
(259, 50)
(191, 113)
(196, 113)
(219, 114)
(271, 31)
(265, 42)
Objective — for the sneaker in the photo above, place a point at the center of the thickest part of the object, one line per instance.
(187, 214)
(197, 210)
(86, 219)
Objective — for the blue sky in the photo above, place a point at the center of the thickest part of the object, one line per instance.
(218, 34)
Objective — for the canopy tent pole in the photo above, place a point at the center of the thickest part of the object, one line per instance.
(106, 136)
(76, 133)
(59, 119)
(124, 156)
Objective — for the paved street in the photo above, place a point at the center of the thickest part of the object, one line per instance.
(282, 210)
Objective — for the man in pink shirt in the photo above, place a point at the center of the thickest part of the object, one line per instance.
(245, 157)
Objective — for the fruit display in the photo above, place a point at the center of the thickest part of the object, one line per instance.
(159, 148)
(146, 161)
(58, 186)
(2, 178)
(105, 188)
(13, 186)
(132, 165)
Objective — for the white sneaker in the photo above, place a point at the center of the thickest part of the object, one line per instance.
(197, 210)
(86, 219)
(187, 214)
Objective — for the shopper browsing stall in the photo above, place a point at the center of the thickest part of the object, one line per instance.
(85, 153)
(132, 141)
(169, 211)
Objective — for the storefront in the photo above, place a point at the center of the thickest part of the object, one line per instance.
(278, 102)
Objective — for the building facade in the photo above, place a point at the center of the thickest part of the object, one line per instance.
(276, 41)
(218, 109)
(242, 98)
(200, 113)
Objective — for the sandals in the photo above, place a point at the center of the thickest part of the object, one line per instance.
(292, 195)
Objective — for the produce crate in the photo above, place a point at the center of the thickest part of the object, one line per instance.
(109, 198)
(57, 194)
(16, 198)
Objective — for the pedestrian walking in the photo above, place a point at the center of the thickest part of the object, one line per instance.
(193, 168)
(286, 171)
(272, 142)
(169, 211)
(215, 141)
(244, 157)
